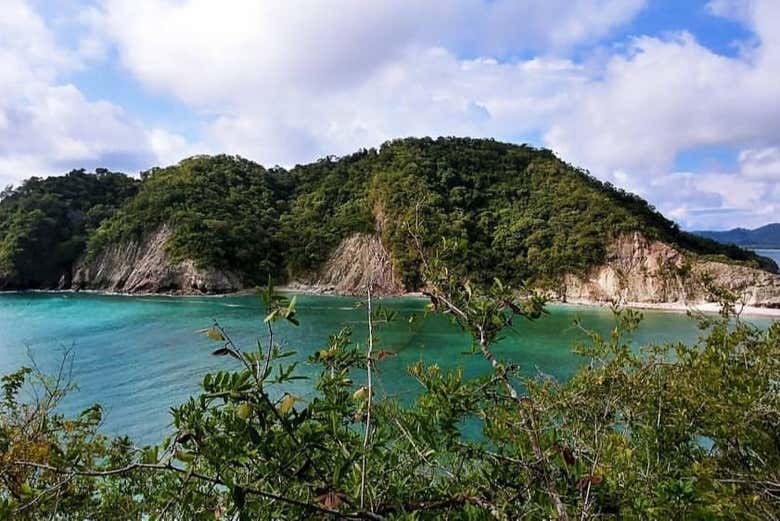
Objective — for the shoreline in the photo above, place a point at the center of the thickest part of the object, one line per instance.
(681, 307)
(668, 307)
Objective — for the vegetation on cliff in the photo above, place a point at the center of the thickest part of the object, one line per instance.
(224, 212)
(512, 212)
(45, 223)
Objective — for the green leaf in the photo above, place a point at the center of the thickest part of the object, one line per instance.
(150, 454)
(26, 490)
(184, 456)
(361, 394)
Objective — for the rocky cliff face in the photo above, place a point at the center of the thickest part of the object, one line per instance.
(637, 270)
(359, 260)
(640, 270)
(144, 267)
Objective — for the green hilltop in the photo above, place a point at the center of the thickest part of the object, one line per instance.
(509, 211)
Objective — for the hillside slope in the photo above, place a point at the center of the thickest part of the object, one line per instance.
(216, 224)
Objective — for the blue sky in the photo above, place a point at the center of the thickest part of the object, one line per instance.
(674, 100)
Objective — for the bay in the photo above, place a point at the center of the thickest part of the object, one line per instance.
(772, 254)
(140, 355)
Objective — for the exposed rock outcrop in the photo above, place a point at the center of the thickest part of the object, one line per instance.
(640, 270)
(358, 261)
(637, 270)
(144, 267)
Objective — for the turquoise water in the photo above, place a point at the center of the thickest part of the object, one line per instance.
(138, 356)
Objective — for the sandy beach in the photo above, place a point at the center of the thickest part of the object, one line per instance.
(681, 307)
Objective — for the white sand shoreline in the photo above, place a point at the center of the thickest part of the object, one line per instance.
(681, 307)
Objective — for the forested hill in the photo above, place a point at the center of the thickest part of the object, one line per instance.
(45, 223)
(509, 211)
(767, 236)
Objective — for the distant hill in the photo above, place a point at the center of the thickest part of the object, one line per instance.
(767, 236)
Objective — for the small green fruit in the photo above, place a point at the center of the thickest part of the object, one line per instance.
(244, 411)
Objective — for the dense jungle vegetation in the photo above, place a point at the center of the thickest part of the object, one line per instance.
(224, 211)
(512, 212)
(45, 223)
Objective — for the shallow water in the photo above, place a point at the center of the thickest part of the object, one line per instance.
(138, 356)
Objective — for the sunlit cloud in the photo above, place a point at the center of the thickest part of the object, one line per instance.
(284, 83)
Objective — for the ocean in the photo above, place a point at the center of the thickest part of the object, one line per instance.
(140, 355)
(772, 254)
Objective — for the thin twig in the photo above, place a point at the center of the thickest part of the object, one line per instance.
(369, 354)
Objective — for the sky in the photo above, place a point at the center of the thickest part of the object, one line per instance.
(675, 100)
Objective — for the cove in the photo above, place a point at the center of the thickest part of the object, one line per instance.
(140, 355)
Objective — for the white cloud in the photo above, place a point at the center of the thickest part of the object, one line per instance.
(223, 53)
(740, 10)
(669, 95)
(54, 128)
(761, 163)
(425, 92)
(707, 200)
(281, 83)
(170, 148)
(286, 82)
(48, 126)
(27, 50)
(664, 97)
(506, 25)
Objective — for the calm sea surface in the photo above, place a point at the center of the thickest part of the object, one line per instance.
(772, 254)
(138, 356)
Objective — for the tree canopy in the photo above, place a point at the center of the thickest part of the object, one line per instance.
(224, 212)
(45, 223)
